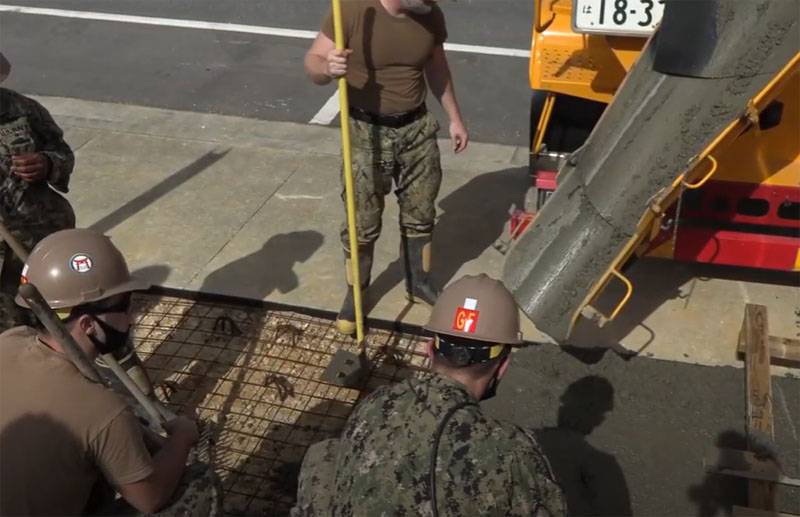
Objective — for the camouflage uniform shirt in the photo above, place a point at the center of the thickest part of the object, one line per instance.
(381, 462)
(26, 126)
(30, 211)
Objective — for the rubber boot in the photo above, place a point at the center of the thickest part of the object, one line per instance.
(417, 261)
(346, 320)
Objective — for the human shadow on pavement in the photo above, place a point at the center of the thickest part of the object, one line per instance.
(270, 268)
(471, 218)
(592, 480)
(156, 274)
(717, 494)
(261, 272)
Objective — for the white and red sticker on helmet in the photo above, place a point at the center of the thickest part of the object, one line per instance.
(23, 278)
(81, 263)
(466, 319)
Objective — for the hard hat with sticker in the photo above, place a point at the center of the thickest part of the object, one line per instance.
(478, 308)
(76, 267)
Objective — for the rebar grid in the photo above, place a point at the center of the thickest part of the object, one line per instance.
(257, 372)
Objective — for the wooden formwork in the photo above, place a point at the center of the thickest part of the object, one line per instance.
(257, 372)
(760, 464)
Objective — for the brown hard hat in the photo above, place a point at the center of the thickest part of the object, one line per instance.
(75, 267)
(477, 308)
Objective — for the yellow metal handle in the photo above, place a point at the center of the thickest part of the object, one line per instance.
(603, 319)
(692, 186)
(344, 109)
(544, 120)
(628, 293)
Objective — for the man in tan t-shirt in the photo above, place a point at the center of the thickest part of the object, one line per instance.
(392, 48)
(59, 431)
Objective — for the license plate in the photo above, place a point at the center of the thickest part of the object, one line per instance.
(617, 17)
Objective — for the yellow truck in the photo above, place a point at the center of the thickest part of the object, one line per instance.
(658, 129)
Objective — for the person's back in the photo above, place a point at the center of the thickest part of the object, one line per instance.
(423, 446)
(56, 426)
(483, 466)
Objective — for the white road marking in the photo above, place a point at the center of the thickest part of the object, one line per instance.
(231, 27)
(328, 111)
(489, 51)
(163, 22)
(291, 197)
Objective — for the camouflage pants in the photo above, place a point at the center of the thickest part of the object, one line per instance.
(407, 157)
(30, 214)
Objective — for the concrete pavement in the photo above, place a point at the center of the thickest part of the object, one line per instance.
(252, 208)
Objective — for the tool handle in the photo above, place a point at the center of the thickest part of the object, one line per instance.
(344, 112)
(56, 329)
(13, 243)
(156, 416)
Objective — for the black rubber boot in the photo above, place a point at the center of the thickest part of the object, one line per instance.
(346, 320)
(417, 260)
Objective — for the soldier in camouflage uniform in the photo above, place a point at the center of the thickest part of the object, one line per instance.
(423, 446)
(33, 158)
(393, 47)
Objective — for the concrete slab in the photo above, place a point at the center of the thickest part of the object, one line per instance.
(171, 203)
(252, 208)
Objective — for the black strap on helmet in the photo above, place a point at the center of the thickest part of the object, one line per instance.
(464, 352)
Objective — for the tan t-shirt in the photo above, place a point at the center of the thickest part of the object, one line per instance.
(58, 430)
(386, 68)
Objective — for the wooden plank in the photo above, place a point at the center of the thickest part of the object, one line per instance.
(745, 464)
(758, 385)
(741, 511)
(780, 349)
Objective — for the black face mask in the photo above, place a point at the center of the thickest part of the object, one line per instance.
(115, 339)
(491, 390)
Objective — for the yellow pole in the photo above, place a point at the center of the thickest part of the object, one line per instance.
(348, 176)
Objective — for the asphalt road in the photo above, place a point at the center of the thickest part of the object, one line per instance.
(248, 75)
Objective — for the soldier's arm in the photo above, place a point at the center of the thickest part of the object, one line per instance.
(437, 72)
(154, 492)
(53, 146)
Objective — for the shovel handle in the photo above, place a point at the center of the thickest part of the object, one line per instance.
(157, 416)
(77, 356)
(56, 329)
(18, 249)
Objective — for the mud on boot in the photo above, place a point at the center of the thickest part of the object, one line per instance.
(416, 253)
(346, 320)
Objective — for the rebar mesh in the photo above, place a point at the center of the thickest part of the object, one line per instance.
(257, 372)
